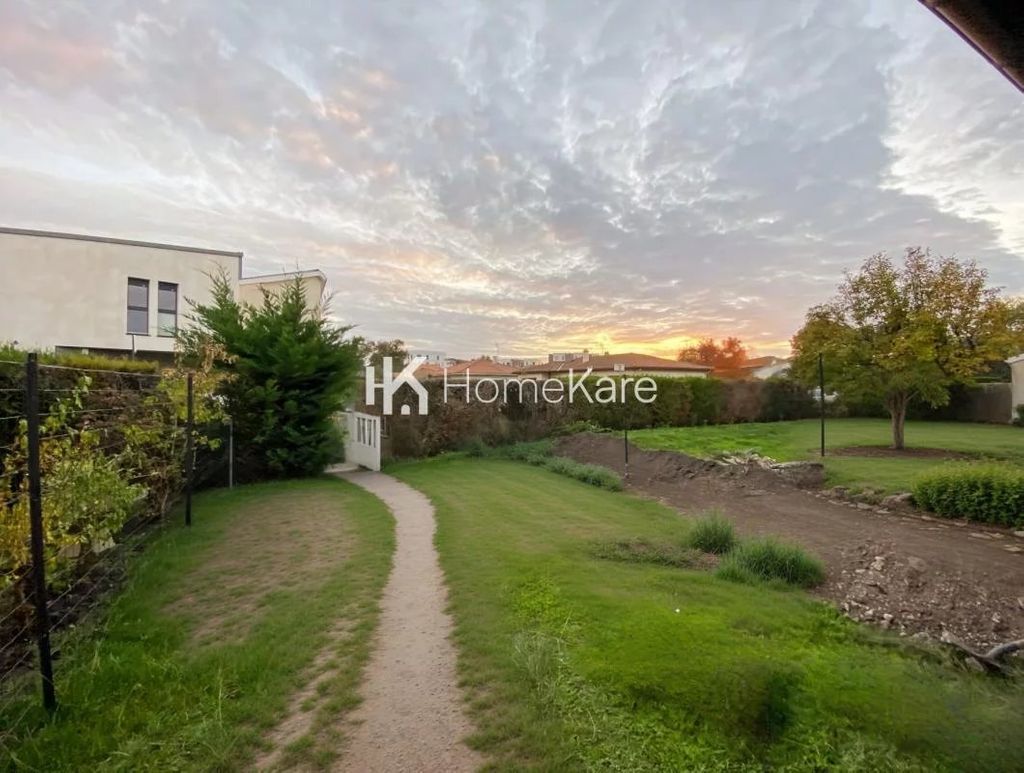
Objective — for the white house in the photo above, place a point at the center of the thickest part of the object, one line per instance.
(1017, 386)
(765, 367)
(73, 292)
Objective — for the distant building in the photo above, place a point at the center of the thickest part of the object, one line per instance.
(73, 292)
(430, 356)
(764, 367)
(629, 363)
(565, 356)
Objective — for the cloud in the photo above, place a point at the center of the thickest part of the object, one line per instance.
(524, 174)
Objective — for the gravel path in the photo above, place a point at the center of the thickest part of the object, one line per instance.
(411, 717)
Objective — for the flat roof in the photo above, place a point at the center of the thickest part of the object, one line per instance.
(303, 274)
(112, 240)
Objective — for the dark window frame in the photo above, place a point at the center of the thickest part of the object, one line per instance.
(139, 282)
(160, 310)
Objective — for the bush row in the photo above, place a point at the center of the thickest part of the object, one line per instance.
(989, 493)
(539, 454)
(452, 424)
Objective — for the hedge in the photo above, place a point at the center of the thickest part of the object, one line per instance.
(989, 493)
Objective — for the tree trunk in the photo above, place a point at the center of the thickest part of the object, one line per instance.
(898, 411)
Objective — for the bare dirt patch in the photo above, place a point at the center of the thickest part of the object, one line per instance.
(884, 452)
(902, 570)
(281, 542)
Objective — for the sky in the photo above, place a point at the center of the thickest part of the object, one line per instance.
(520, 177)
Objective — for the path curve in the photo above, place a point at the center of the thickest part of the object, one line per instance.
(411, 716)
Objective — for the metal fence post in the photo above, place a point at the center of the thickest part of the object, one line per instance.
(231, 453)
(821, 396)
(625, 449)
(189, 452)
(35, 504)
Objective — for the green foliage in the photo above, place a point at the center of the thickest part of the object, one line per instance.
(85, 500)
(539, 454)
(981, 492)
(767, 560)
(712, 534)
(574, 661)
(290, 373)
(77, 360)
(593, 474)
(894, 334)
(789, 441)
(1019, 421)
(168, 680)
(783, 399)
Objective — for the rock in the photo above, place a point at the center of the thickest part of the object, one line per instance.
(864, 506)
(878, 564)
(916, 564)
(904, 499)
(1013, 548)
(1019, 533)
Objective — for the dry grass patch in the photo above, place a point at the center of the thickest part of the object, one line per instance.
(283, 543)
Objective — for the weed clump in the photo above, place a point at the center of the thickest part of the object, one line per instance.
(767, 560)
(712, 534)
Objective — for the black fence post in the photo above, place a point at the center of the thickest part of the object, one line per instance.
(821, 397)
(189, 452)
(231, 453)
(625, 450)
(35, 504)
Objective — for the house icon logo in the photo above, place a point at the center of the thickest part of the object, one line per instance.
(390, 384)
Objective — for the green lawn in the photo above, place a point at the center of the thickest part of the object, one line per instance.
(796, 440)
(573, 662)
(218, 628)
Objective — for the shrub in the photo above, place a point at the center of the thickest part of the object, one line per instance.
(712, 534)
(980, 492)
(1019, 421)
(767, 560)
(291, 371)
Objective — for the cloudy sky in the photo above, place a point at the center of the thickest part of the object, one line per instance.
(620, 174)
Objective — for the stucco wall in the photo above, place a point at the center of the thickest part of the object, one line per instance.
(251, 290)
(67, 292)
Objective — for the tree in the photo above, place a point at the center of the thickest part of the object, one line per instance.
(374, 352)
(729, 355)
(899, 333)
(290, 372)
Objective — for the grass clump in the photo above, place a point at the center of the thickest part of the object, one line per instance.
(712, 534)
(767, 560)
(539, 454)
(989, 493)
(644, 551)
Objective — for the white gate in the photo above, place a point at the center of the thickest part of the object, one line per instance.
(362, 439)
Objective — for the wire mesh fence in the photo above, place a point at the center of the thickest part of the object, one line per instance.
(91, 462)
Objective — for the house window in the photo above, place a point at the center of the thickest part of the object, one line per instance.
(167, 309)
(138, 306)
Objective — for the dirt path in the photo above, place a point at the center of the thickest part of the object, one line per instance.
(411, 717)
(904, 571)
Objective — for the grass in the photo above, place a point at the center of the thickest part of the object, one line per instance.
(767, 560)
(798, 440)
(712, 534)
(585, 643)
(218, 627)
